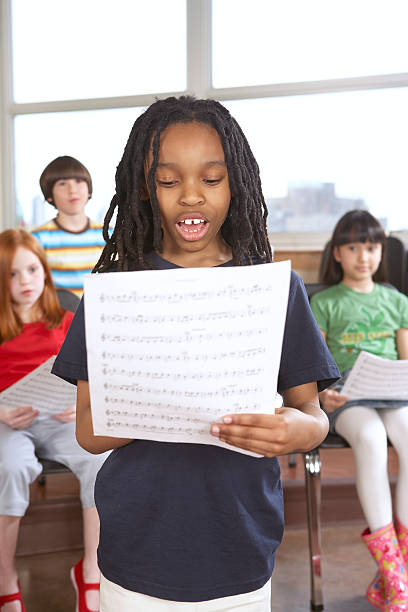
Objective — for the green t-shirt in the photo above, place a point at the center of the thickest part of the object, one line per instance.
(355, 322)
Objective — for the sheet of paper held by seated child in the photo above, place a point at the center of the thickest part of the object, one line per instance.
(41, 390)
(373, 377)
(172, 351)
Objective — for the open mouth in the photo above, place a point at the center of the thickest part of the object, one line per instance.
(192, 228)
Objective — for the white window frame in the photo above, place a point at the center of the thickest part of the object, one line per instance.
(198, 83)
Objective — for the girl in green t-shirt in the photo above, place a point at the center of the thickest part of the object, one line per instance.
(356, 313)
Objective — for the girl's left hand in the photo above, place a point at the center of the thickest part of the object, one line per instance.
(287, 430)
(67, 415)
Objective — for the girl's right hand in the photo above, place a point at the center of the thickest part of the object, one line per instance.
(18, 418)
(331, 400)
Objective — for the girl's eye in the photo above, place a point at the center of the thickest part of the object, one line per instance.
(212, 181)
(165, 183)
(33, 269)
(12, 274)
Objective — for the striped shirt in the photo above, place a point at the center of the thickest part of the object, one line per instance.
(70, 255)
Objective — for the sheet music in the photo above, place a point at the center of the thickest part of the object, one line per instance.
(171, 351)
(40, 389)
(375, 378)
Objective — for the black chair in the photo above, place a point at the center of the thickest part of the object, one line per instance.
(69, 301)
(397, 264)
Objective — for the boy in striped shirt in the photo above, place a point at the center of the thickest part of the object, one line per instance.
(72, 242)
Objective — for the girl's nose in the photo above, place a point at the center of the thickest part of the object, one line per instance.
(363, 255)
(192, 195)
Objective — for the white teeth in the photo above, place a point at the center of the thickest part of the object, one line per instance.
(192, 221)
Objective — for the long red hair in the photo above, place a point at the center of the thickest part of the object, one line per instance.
(48, 305)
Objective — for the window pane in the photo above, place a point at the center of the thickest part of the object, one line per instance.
(321, 155)
(97, 48)
(96, 138)
(293, 40)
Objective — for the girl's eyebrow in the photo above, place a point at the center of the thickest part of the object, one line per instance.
(216, 162)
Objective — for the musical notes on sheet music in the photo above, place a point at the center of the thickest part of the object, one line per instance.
(375, 378)
(229, 292)
(171, 351)
(40, 389)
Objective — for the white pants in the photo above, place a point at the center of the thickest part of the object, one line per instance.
(115, 598)
(366, 430)
(19, 465)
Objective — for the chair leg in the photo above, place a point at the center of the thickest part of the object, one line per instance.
(313, 499)
(292, 460)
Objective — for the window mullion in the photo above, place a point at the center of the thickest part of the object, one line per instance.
(199, 47)
(7, 190)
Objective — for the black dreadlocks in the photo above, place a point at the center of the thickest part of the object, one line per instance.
(138, 224)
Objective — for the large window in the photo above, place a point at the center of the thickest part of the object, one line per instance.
(288, 41)
(321, 155)
(320, 89)
(97, 138)
(97, 48)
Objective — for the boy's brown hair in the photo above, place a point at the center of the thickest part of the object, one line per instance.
(64, 167)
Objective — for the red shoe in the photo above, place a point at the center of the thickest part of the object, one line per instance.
(81, 587)
(13, 597)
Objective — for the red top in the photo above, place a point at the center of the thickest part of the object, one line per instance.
(34, 345)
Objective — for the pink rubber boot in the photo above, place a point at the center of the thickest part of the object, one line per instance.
(384, 548)
(402, 535)
(375, 593)
(376, 590)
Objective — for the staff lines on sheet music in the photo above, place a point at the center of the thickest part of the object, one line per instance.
(369, 368)
(121, 401)
(174, 408)
(176, 298)
(211, 375)
(186, 336)
(186, 355)
(142, 416)
(35, 394)
(158, 428)
(116, 317)
(221, 392)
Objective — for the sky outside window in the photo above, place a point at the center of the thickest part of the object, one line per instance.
(283, 41)
(97, 48)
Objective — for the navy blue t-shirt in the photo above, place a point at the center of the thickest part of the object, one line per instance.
(193, 522)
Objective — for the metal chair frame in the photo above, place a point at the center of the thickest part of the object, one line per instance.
(313, 464)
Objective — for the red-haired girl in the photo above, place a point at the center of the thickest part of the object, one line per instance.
(32, 328)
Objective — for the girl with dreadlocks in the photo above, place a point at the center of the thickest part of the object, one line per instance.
(189, 522)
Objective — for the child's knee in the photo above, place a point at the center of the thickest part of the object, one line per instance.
(371, 438)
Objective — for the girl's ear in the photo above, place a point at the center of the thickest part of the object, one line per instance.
(336, 253)
(143, 192)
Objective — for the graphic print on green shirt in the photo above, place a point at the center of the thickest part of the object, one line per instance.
(354, 321)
